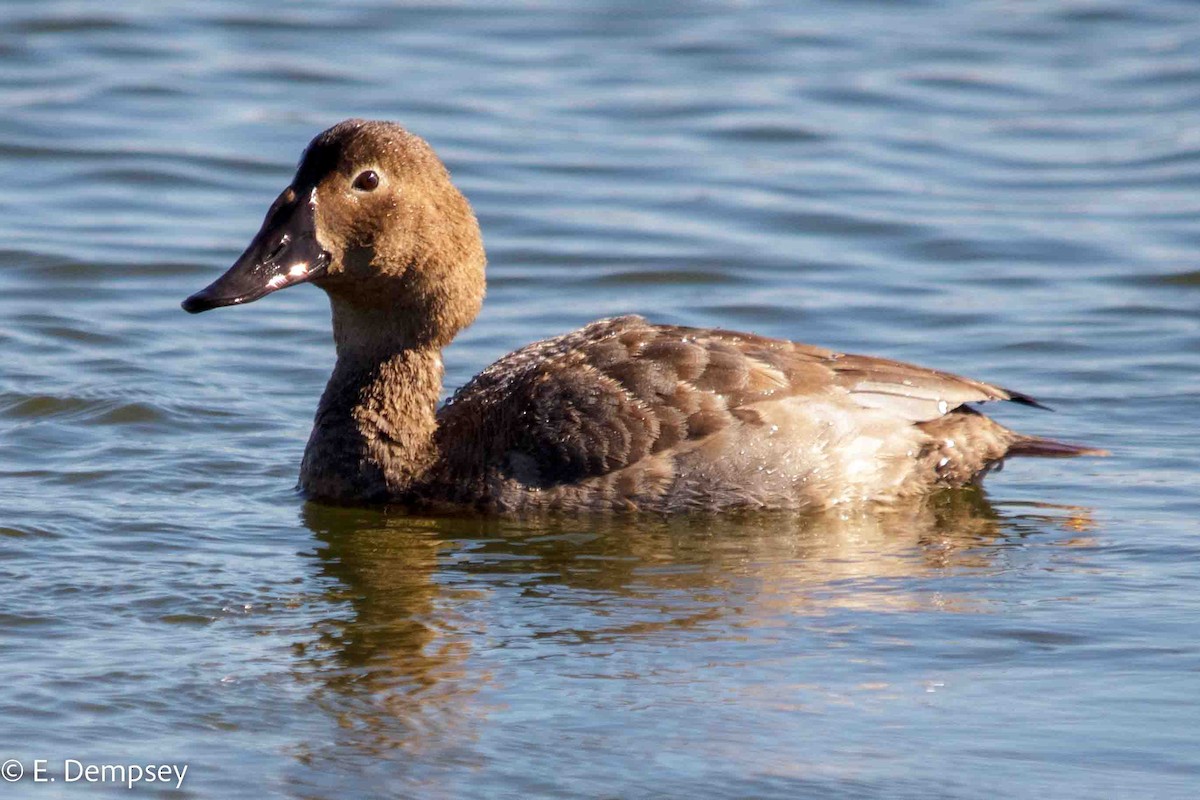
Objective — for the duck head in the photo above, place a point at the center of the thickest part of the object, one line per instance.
(372, 218)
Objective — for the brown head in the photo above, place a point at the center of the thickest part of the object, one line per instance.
(372, 218)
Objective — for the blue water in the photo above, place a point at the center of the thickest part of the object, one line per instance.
(1006, 190)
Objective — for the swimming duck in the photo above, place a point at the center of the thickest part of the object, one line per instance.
(620, 414)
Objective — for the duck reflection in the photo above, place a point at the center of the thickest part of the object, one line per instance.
(433, 615)
(389, 663)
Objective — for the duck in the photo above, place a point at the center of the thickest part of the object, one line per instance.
(620, 415)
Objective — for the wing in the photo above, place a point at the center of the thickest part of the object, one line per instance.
(916, 393)
(620, 390)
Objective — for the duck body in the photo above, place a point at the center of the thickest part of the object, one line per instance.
(623, 414)
(619, 415)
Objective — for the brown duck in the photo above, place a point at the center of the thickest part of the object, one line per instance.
(621, 414)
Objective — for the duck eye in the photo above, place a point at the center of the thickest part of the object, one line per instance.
(366, 181)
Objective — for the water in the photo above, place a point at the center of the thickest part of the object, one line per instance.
(1008, 190)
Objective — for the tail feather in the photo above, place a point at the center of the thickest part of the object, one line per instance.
(1049, 448)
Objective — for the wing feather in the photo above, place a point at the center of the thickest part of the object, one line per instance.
(619, 390)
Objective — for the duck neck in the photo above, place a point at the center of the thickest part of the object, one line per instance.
(373, 437)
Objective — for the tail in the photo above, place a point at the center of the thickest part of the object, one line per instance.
(965, 445)
(1049, 448)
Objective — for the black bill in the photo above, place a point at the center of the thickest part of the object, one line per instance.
(283, 253)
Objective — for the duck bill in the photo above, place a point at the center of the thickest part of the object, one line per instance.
(283, 253)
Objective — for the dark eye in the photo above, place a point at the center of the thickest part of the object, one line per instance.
(366, 181)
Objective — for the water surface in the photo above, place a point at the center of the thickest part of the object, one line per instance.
(1008, 190)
